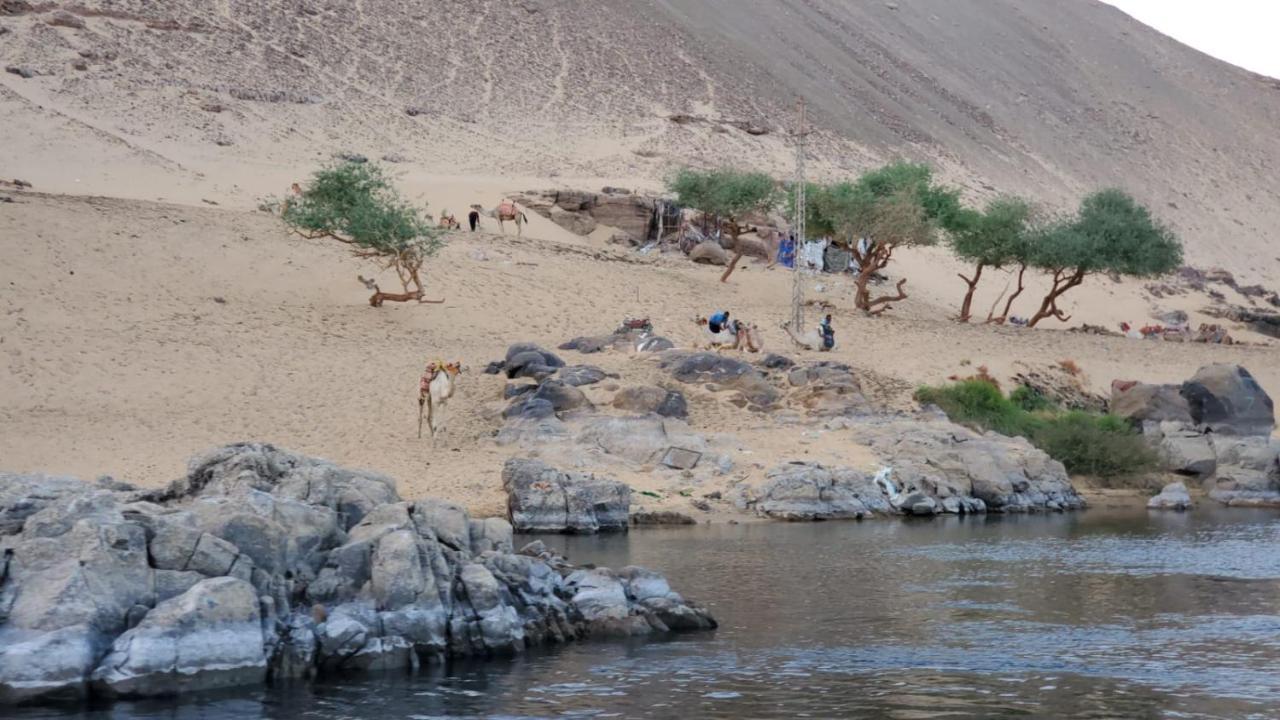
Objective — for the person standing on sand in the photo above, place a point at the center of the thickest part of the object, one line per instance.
(473, 218)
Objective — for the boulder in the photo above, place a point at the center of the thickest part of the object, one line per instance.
(531, 361)
(262, 562)
(638, 439)
(826, 389)
(1173, 496)
(562, 397)
(1248, 473)
(624, 239)
(649, 399)
(579, 375)
(809, 491)
(208, 637)
(723, 371)
(661, 517)
(1141, 402)
(541, 498)
(1226, 400)
(709, 253)
(1188, 452)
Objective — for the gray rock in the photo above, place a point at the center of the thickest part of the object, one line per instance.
(262, 560)
(809, 491)
(651, 399)
(723, 371)
(531, 361)
(1173, 496)
(638, 439)
(661, 517)
(1188, 453)
(563, 398)
(1225, 399)
(543, 499)
(579, 375)
(208, 637)
(1140, 402)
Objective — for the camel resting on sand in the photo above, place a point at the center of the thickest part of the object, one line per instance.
(810, 339)
(737, 336)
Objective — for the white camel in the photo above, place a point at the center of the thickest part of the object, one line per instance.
(809, 340)
(434, 390)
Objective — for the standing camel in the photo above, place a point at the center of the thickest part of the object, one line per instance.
(434, 390)
(508, 211)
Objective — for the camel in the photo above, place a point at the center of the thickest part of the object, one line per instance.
(738, 336)
(448, 221)
(810, 340)
(434, 390)
(508, 211)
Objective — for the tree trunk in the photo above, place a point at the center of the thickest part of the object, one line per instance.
(1049, 306)
(880, 304)
(968, 296)
(1009, 305)
(734, 231)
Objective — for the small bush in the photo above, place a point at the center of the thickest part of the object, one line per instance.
(1098, 445)
(1031, 399)
(1086, 443)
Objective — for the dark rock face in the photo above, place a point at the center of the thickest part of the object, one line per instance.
(530, 361)
(260, 561)
(541, 498)
(1225, 399)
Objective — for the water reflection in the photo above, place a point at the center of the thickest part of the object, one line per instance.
(1099, 614)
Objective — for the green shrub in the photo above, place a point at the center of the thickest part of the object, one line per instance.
(1030, 399)
(1097, 445)
(1086, 443)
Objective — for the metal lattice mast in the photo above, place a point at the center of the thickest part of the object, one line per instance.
(797, 225)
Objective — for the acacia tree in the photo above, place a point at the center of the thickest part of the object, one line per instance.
(726, 193)
(355, 204)
(894, 206)
(1111, 233)
(994, 238)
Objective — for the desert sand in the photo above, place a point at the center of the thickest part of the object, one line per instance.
(149, 310)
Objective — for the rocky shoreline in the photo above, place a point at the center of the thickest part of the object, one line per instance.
(262, 565)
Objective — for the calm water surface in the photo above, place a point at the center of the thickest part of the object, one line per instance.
(1102, 614)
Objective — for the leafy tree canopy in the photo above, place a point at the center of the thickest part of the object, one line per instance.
(1110, 233)
(725, 192)
(355, 203)
(997, 236)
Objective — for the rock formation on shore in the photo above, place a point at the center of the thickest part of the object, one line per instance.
(261, 563)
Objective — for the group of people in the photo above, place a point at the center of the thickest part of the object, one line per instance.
(720, 322)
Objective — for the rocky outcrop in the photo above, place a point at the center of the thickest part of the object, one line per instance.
(809, 491)
(1226, 400)
(527, 360)
(646, 399)
(541, 498)
(1173, 496)
(826, 389)
(262, 562)
(943, 460)
(580, 212)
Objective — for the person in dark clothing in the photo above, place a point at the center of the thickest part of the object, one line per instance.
(473, 218)
(828, 333)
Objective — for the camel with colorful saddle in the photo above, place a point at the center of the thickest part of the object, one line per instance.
(435, 387)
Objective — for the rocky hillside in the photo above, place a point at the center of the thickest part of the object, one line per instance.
(1033, 96)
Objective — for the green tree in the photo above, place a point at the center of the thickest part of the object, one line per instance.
(997, 237)
(728, 194)
(355, 204)
(893, 206)
(1111, 233)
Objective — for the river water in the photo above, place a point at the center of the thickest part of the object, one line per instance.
(1100, 614)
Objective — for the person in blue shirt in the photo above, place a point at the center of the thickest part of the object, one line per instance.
(828, 333)
(718, 322)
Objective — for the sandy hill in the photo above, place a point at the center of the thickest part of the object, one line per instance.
(226, 99)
